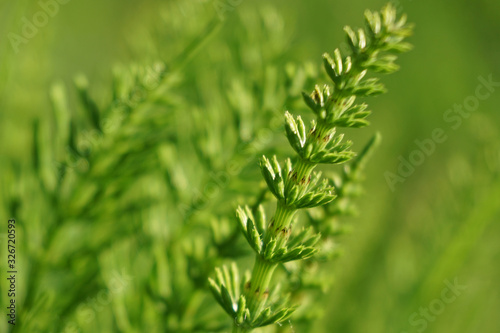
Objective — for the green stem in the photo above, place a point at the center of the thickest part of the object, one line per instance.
(239, 329)
(300, 177)
(257, 291)
(280, 223)
(279, 228)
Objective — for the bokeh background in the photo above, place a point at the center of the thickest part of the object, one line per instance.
(104, 251)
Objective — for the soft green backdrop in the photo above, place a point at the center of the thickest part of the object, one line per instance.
(440, 224)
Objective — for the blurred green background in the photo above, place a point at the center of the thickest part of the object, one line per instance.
(410, 239)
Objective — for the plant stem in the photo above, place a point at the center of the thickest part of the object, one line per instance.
(258, 289)
(279, 228)
(276, 235)
(239, 329)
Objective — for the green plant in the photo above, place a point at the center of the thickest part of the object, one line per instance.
(110, 184)
(120, 234)
(254, 301)
(170, 171)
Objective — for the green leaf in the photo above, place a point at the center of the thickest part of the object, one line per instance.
(260, 219)
(242, 312)
(361, 39)
(292, 195)
(248, 226)
(215, 289)
(331, 69)
(254, 238)
(373, 22)
(310, 102)
(234, 279)
(400, 47)
(272, 176)
(227, 301)
(296, 132)
(312, 240)
(89, 105)
(336, 157)
(261, 317)
(278, 316)
(299, 238)
(269, 248)
(314, 199)
(352, 39)
(339, 65)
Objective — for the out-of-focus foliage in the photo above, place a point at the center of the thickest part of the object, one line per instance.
(119, 231)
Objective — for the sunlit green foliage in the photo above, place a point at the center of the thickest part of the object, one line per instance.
(130, 133)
